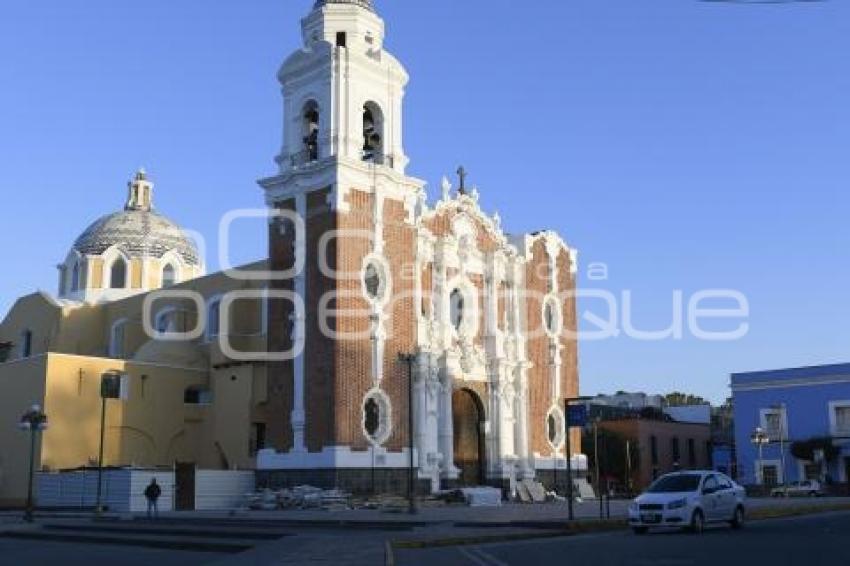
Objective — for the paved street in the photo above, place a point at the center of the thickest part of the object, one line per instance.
(809, 541)
(37, 552)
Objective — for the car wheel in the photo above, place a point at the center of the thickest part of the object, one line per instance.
(738, 519)
(697, 523)
(640, 530)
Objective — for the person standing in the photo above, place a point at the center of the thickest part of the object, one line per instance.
(152, 494)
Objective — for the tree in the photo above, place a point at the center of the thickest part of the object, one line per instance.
(805, 449)
(612, 453)
(678, 399)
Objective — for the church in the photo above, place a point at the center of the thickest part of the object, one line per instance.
(382, 332)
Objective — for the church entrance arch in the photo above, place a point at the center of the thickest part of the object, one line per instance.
(469, 448)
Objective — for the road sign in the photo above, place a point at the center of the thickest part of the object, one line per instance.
(576, 416)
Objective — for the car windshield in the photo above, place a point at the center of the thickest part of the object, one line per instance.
(676, 484)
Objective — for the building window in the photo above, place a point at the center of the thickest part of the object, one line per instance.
(75, 278)
(118, 274)
(197, 396)
(166, 321)
(341, 39)
(373, 133)
(116, 340)
(372, 417)
(214, 319)
(770, 475)
(653, 446)
(842, 420)
(692, 453)
(674, 448)
(376, 417)
(552, 319)
(26, 344)
(310, 119)
(774, 422)
(457, 303)
(169, 276)
(372, 280)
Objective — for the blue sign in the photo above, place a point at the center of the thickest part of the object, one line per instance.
(576, 416)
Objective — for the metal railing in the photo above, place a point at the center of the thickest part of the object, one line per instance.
(379, 159)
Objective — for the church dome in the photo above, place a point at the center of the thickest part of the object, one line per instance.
(131, 251)
(137, 233)
(138, 230)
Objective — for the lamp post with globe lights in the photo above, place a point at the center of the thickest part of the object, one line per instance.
(34, 421)
(760, 438)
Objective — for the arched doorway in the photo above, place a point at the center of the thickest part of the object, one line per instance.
(468, 422)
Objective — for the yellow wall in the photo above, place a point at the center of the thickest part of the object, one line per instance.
(153, 427)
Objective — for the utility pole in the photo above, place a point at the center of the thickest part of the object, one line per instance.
(572, 420)
(629, 467)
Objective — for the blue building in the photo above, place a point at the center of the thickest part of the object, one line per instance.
(802, 411)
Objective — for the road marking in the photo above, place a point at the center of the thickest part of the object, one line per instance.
(481, 558)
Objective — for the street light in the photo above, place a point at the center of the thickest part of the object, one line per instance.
(110, 388)
(571, 420)
(760, 438)
(410, 359)
(782, 417)
(33, 421)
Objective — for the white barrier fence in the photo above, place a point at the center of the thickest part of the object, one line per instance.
(123, 491)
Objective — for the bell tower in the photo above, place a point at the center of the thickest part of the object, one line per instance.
(342, 91)
(342, 174)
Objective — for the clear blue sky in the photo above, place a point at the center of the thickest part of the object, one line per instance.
(687, 145)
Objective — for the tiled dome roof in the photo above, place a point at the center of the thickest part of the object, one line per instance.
(362, 3)
(137, 233)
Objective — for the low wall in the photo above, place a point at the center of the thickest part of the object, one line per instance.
(124, 490)
(221, 489)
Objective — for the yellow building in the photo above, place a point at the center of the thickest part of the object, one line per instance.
(186, 401)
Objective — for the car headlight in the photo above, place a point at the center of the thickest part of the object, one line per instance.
(678, 504)
(634, 507)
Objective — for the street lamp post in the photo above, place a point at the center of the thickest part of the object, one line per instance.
(409, 359)
(110, 388)
(569, 422)
(33, 421)
(760, 438)
(782, 408)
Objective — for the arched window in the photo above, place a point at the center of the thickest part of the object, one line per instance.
(26, 344)
(118, 274)
(214, 319)
(372, 417)
(166, 321)
(169, 276)
(310, 119)
(373, 133)
(552, 425)
(457, 307)
(75, 277)
(116, 340)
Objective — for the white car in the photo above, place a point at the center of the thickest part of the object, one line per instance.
(689, 500)
(807, 488)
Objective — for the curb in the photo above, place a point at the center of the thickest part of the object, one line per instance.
(567, 530)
